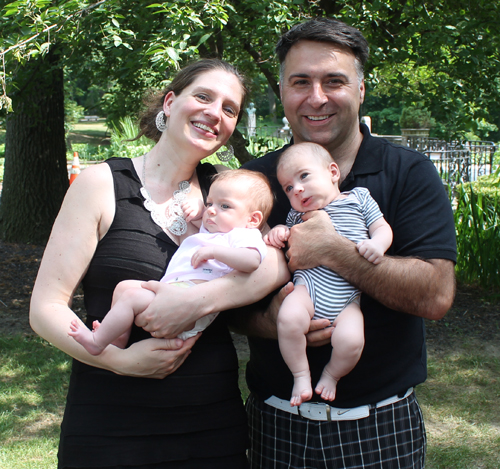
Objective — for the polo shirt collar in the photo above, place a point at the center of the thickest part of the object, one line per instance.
(367, 160)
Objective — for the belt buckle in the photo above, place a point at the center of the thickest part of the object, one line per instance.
(327, 408)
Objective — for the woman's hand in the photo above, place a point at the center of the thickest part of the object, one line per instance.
(152, 358)
(170, 313)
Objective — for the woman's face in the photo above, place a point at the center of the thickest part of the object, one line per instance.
(205, 113)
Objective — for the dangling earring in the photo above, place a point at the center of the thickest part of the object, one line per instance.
(226, 155)
(161, 121)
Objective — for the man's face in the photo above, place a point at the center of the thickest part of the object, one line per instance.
(321, 94)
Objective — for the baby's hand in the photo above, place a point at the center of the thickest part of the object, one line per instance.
(278, 236)
(370, 250)
(203, 254)
(193, 209)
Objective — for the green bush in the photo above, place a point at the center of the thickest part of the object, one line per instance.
(477, 219)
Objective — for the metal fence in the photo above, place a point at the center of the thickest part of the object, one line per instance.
(457, 162)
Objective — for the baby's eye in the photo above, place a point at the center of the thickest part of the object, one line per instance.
(224, 206)
(288, 188)
(208, 204)
(304, 175)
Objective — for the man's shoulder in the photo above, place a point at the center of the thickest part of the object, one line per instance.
(382, 146)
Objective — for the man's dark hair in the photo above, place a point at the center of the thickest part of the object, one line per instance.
(325, 30)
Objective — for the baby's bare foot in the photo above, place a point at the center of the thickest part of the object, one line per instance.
(327, 386)
(302, 390)
(84, 337)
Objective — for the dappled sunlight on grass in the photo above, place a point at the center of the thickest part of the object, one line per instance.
(34, 377)
(460, 405)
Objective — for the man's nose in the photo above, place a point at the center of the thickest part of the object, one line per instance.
(317, 96)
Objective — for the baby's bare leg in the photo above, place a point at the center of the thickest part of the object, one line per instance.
(294, 319)
(129, 299)
(347, 341)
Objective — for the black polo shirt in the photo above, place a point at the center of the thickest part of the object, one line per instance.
(414, 202)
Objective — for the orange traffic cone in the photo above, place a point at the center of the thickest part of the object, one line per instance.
(75, 168)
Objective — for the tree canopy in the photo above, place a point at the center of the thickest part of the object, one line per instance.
(442, 54)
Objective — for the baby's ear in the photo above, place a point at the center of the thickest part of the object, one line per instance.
(255, 219)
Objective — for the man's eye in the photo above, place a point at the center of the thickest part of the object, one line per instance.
(335, 82)
(202, 97)
(300, 82)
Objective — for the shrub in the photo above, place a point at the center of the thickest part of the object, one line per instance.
(477, 219)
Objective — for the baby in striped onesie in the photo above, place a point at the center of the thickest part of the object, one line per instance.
(310, 179)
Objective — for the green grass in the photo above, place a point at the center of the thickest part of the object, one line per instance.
(91, 128)
(460, 405)
(33, 379)
(459, 401)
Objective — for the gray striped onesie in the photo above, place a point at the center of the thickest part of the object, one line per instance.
(351, 217)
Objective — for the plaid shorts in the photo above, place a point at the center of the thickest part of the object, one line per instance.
(391, 437)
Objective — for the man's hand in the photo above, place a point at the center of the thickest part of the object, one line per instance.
(320, 333)
(310, 242)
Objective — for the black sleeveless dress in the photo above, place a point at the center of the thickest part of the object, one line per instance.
(193, 418)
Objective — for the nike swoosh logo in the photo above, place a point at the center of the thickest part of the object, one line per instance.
(342, 412)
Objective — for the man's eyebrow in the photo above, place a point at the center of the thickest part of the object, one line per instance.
(328, 75)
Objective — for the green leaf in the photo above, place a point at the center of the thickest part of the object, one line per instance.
(172, 53)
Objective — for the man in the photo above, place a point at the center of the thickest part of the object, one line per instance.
(376, 421)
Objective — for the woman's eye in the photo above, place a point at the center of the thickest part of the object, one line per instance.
(230, 111)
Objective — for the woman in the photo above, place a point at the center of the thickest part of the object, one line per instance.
(119, 221)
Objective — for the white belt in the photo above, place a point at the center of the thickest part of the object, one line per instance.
(327, 413)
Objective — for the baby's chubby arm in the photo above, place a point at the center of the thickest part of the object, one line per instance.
(193, 211)
(277, 236)
(373, 249)
(241, 259)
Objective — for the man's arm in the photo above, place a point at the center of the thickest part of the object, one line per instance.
(424, 288)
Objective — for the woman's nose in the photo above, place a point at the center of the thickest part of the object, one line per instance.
(213, 111)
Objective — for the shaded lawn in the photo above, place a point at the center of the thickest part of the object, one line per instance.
(459, 401)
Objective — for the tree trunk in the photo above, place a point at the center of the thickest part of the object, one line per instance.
(35, 178)
(238, 141)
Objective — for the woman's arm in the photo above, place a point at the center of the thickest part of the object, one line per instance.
(85, 216)
(172, 311)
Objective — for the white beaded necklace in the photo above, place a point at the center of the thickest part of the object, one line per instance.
(172, 217)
